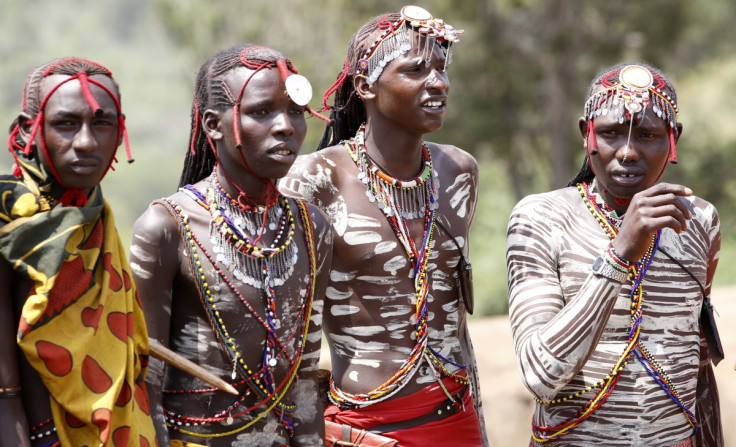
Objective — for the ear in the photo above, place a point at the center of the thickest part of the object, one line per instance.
(583, 125)
(212, 124)
(678, 126)
(363, 88)
(24, 126)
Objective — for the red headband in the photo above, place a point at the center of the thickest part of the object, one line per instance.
(75, 197)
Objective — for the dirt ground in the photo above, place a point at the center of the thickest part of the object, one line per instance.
(508, 405)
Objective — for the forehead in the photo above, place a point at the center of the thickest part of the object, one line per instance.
(419, 53)
(72, 90)
(265, 82)
(650, 121)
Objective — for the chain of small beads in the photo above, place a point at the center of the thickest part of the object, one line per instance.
(176, 420)
(419, 261)
(37, 434)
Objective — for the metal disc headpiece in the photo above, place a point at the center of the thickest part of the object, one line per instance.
(635, 89)
(398, 39)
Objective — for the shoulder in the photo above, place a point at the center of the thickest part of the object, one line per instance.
(315, 172)
(327, 158)
(158, 221)
(545, 205)
(447, 156)
(704, 212)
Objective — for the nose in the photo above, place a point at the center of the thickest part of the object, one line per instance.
(438, 80)
(627, 152)
(283, 123)
(85, 139)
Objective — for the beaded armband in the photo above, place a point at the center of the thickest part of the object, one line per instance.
(615, 260)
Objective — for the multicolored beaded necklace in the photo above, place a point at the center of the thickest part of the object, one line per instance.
(288, 348)
(230, 227)
(391, 195)
(609, 222)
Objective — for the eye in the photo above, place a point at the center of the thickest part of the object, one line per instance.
(257, 112)
(297, 110)
(64, 125)
(103, 122)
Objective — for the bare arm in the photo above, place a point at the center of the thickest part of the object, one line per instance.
(308, 419)
(154, 262)
(13, 424)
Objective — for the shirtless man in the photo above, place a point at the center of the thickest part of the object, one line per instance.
(607, 278)
(402, 361)
(74, 346)
(232, 273)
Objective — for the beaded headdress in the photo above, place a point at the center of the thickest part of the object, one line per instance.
(628, 92)
(398, 39)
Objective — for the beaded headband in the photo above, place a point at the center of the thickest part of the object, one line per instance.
(636, 89)
(398, 40)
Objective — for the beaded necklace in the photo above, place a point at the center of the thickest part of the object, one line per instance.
(610, 223)
(230, 227)
(260, 382)
(391, 195)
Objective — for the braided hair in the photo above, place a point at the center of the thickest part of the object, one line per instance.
(611, 75)
(348, 111)
(212, 92)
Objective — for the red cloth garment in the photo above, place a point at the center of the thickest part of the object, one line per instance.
(461, 428)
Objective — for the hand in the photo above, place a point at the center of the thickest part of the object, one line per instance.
(650, 210)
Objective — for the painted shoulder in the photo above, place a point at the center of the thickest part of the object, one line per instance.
(315, 173)
(447, 154)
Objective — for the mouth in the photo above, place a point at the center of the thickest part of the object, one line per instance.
(283, 154)
(435, 105)
(627, 178)
(83, 167)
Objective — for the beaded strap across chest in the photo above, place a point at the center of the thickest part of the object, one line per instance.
(259, 382)
(610, 224)
(400, 200)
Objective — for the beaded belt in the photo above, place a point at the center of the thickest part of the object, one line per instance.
(685, 443)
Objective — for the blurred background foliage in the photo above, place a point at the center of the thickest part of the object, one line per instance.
(518, 84)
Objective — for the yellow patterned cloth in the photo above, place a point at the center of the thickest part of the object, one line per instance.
(82, 325)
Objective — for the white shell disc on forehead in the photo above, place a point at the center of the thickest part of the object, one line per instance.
(637, 77)
(411, 12)
(299, 89)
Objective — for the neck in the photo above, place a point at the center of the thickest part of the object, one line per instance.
(245, 192)
(617, 204)
(398, 152)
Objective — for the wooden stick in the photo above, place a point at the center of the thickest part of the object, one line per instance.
(170, 357)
